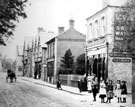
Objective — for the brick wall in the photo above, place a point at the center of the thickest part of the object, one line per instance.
(76, 47)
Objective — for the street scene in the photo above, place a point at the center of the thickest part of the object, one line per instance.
(67, 53)
(35, 93)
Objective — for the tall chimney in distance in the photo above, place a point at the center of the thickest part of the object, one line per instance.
(71, 23)
(60, 29)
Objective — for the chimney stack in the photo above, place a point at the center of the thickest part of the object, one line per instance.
(60, 29)
(71, 23)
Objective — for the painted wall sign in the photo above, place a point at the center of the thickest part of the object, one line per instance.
(121, 26)
(120, 50)
(124, 60)
(120, 55)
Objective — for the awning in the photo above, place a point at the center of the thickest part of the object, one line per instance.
(97, 51)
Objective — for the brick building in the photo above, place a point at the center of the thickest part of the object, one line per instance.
(107, 50)
(69, 39)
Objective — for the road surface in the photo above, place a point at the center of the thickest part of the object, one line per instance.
(28, 94)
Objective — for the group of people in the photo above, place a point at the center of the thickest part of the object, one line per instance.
(107, 90)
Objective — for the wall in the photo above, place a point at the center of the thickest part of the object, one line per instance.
(76, 47)
(70, 80)
(119, 66)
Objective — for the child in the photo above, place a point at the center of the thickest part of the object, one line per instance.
(118, 90)
(58, 84)
(123, 91)
(95, 88)
(102, 91)
(109, 91)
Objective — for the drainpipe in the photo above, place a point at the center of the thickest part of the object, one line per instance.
(86, 70)
(107, 45)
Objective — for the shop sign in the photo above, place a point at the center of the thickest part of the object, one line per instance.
(119, 55)
(121, 60)
(121, 26)
(116, 49)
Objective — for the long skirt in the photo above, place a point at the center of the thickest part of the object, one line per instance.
(110, 94)
(118, 93)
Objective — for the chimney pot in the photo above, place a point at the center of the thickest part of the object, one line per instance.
(60, 29)
(71, 23)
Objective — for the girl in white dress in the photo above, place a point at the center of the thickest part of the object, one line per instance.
(118, 90)
(102, 91)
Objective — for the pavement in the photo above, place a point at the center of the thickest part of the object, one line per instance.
(87, 96)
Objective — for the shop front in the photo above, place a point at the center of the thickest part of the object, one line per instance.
(97, 55)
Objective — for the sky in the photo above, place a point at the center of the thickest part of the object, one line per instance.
(51, 14)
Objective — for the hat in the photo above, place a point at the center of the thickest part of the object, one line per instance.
(110, 81)
(123, 81)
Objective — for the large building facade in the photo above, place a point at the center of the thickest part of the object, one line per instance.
(107, 50)
(69, 39)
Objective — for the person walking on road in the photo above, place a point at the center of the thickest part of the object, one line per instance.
(102, 91)
(109, 89)
(95, 88)
(123, 91)
(118, 91)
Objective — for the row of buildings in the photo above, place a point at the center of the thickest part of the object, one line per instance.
(42, 55)
(105, 46)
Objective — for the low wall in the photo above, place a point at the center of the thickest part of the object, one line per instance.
(70, 80)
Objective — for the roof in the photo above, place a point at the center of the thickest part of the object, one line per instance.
(67, 32)
(103, 10)
(28, 41)
(44, 37)
(49, 41)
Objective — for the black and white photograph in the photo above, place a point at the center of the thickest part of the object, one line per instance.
(67, 53)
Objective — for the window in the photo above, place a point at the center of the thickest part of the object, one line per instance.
(102, 26)
(53, 49)
(48, 50)
(91, 33)
(96, 28)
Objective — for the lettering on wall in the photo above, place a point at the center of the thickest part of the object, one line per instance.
(121, 26)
